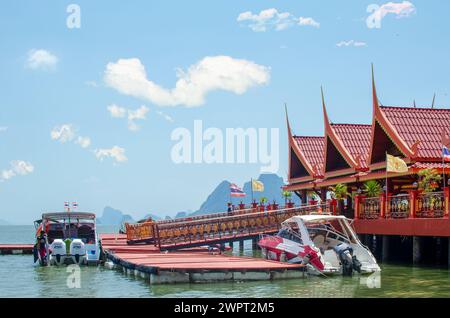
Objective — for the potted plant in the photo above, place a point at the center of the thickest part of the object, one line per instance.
(428, 183)
(340, 193)
(287, 198)
(429, 180)
(262, 201)
(314, 199)
(372, 189)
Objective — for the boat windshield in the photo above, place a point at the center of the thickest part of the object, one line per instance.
(333, 230)
(81, 230)
(289, 234)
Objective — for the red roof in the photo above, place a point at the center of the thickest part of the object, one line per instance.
(430, 165)
(312, 149)
(356, 139)
(420, 124)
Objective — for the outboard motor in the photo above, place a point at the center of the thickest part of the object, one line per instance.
(58, 249)
(78, 251)
(345, 255)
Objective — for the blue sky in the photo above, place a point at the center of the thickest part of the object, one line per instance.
(52, 75)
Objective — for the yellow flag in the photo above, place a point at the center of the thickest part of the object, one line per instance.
(395, 164)
(257, 186)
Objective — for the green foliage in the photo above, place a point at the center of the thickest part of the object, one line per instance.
(429, 180)
(340, 191)
(287, 194)
(263, 200)
(372, 188)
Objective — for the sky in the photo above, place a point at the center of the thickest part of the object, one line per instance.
(93, 92)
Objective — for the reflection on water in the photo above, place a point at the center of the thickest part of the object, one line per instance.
(20, 278)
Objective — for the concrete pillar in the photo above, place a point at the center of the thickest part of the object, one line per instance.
(241, 245)
(417, 249)
(385, 248)
(254, 244)
(448, 252)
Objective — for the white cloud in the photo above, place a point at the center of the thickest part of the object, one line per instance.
(3, 128)
(63, 133)
(67, 133)
(129, 77)
(165, 116)
(351, 43)
(308, 21)
(117, 153)
(17, 168)
(84, 142)
(41, 59)
(399, 9)
(116, 111)
(132, 115)
(272, 19)
(91, 83)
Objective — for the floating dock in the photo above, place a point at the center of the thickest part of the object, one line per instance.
(16, 249)
(194, 265)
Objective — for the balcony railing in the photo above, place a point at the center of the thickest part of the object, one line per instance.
(431, 205)
(371, 208)
(402, 206)
(397, 207)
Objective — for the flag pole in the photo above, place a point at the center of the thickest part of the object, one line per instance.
(443, 166)
(251, 186)
(386, 183)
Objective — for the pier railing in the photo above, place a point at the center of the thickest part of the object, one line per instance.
(410, 205)
(215, 227)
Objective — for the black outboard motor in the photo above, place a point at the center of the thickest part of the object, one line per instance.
(345, 254)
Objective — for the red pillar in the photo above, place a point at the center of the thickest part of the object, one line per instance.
(358, 203)
(413, 203)
(382, 205)
(446, 200)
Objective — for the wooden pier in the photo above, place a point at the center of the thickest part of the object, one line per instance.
(194, 265)
(16, 249)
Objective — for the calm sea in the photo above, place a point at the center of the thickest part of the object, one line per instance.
(19, 277)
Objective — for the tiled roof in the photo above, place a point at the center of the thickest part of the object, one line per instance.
(420, 124)
(356, 139)
(312, 149)
(430, 165)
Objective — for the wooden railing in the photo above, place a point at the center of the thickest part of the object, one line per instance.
(215, 227)
(430, 205)
(370, 208)
(397, 207)
(402, 206)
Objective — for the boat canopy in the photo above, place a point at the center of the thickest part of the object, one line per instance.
(67, 215)
(315, 218)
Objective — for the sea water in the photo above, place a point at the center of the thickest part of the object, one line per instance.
(19, 277)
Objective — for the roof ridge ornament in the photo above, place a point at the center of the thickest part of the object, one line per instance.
(445, 138)
(415, 148)
(374, 91)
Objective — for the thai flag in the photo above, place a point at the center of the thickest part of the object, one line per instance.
(74, 205)
(66, 204)
(446, 153)
(235, 191)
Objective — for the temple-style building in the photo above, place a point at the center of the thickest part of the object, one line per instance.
(354, 153)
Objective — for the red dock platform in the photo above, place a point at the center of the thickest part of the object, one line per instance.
(16, 249)
(190, 265)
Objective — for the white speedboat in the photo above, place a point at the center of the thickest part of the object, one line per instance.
(67, 238)
(325, 244)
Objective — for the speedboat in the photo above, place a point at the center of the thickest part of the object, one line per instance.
(324, 244)
(67, 238)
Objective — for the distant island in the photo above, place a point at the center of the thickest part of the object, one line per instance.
(216, 202)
